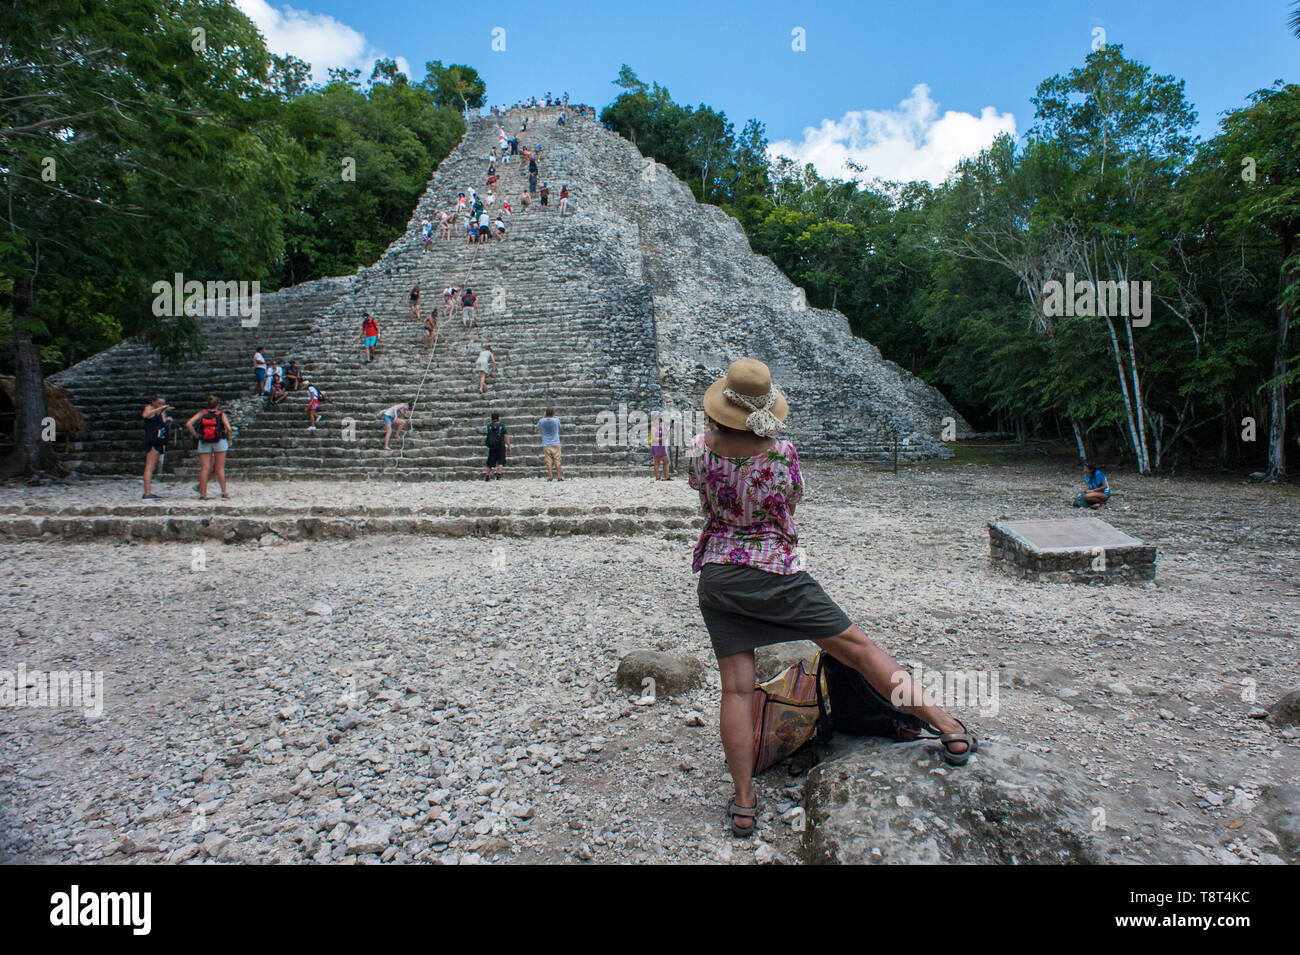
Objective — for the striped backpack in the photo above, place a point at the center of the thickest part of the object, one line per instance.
(785, 713)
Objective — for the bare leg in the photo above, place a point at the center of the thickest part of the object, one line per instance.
(150, 462)
(737, 724)
(854, 648)
(388, 433)
(205, 467)
(219, 464)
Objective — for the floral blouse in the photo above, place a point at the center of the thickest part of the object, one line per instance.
(747, 501)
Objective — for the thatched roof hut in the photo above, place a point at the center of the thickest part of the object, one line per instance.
(58, 404)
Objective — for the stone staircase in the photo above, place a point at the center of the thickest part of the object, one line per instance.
(639, 297)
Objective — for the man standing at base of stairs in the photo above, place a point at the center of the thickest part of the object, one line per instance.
(497, 440)
(550, 426)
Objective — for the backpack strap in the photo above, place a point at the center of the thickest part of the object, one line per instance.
(822, 736)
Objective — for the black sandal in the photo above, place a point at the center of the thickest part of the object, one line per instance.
(742, 832)
(965, 736)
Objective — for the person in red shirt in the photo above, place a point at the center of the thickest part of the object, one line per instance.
(369, 335)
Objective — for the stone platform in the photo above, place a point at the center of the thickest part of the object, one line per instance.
(270, 511)
(1071, 550)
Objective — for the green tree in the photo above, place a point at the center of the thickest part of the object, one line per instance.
(456, 86)
(131, 150)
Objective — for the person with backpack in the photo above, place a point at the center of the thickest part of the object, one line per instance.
(497, 440)
(467, 309)
(369, 335)
(314, 401)
(753, 588)
(156, 421)
(213, 434)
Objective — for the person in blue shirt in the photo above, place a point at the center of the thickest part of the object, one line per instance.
(1098, 488)
(550, 426)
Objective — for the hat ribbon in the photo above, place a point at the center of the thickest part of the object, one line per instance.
(761, 421)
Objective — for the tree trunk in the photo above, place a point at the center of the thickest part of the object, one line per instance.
(1128, 404)
(1078, 438)
(1139, 407)
(30, 454)
(1277, 394)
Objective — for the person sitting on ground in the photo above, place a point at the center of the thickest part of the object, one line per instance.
(292, 377)
(396, 414)
(1096, 488)
(485, 357)
(490, 198)
(506, 209)
(369, 335)
(314, 402)
(271, 370)
(414, 301)
(278, 394)
(430, 328)
(156, 421)
(753, 588)
(468, 311)
(550, 426)
(213, 436)
(471, 230)
(497, 440)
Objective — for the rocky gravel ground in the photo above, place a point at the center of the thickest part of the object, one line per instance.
(412, 699)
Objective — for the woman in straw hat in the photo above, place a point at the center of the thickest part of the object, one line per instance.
(753, 588)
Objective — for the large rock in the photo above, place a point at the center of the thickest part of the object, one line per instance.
(369, 838)
(769, 661)
(879, 802)
(672, 673)
(1286, 711)
(1282, 817)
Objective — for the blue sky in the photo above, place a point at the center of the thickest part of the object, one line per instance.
(904, 86)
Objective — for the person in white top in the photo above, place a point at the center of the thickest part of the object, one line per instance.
(313, 405)
(396, 414)
(259, 371)
(485, 357)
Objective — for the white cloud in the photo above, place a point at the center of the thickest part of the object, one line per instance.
(315, 37)
(912, 142)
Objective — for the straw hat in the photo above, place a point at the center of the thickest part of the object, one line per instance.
(745, 399)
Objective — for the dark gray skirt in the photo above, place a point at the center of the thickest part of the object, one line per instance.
(746, 608)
